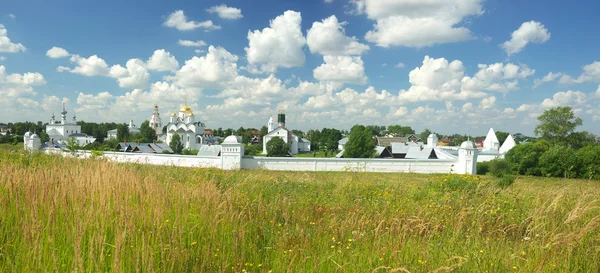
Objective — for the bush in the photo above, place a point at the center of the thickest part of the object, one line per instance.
(524, 158)
(559, 161)
(506, 180)
(483, 168)
(500, 167)
(589, 158)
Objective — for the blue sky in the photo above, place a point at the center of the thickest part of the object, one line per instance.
(465, 65)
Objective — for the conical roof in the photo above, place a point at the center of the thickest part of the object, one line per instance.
(508, 144)
(491, 141)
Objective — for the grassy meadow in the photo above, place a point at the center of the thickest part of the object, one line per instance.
(69, 215)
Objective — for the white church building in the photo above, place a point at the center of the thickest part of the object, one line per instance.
(185, 125)
(296, 144)
(61, 131)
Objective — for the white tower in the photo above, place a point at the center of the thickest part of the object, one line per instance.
(432, 141)
(36, 142)
(271, 125)
(155, 122)
(467, 158)
(26, 140)
(491, 142)
(232, 151)
(63, 120)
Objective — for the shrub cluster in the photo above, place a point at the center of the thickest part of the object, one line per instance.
(542, 159)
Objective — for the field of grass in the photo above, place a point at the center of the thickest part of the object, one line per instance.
(70, 215)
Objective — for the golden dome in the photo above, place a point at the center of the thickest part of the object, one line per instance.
(173, 114)
(185, 108)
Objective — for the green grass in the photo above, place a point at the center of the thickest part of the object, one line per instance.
(319, 154)
(11, 147)
(64, 215)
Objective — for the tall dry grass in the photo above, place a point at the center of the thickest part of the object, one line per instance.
(71, 215)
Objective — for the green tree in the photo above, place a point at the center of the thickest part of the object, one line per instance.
(559, 161)
(423, 135)
(277, 147)
(329, 139)
(502, 136)
(377, 130)
(147, 133)
(524, 158)
(176, 144)
(589, 157)
(399, 130)
(313, 136)
(578, 140)
(72, 145)
(299, 133)
(122, 132)
(360, 143)
(556, 124)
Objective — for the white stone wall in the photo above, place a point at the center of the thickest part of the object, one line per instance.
(156, 159)
(342, 164)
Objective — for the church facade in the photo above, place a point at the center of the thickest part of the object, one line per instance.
(184, 124)
(61, 131)
(296, 144)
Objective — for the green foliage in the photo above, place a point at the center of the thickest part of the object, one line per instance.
(502, 136)
(314, 137)
(122, 132)
(559, 161)
(589, 158)
(524, 158)
(147, 133)
(189, 152)
(176, 144)
(377, 130)
(556, 124)
(72, 145)
(360, 143)
(252, 150)
(299, 133)
(329, 139)
(400, 130)
(483, 168)
(276, 147)
(506, 180)
(499, 167)
(423, 135)
(578, 140)
(96, 153)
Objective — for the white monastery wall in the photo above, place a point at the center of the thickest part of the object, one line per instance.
(354, 164)
(157, 159)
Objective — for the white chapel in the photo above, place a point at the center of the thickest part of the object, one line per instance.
(185, 125)
(296, 144)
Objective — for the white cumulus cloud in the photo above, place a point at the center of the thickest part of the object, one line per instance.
(57, 52)
(179, 21)
(343, 69)
(162, 60)
(191, 43)
(417, 23)
(210, 71)
(6, 45)
(135, 75)
(92, 66)
(279, 45)
(328, 37)
(226, 12)
(529, 32)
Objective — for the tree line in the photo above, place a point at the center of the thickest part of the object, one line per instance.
(560, 150)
